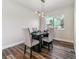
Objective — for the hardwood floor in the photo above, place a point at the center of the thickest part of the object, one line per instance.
(61, 50)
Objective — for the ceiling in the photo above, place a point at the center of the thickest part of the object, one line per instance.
(49, 4)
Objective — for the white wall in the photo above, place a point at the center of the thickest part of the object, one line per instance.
(68, 33)
(15, 17)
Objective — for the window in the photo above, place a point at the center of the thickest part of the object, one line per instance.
(55, 22)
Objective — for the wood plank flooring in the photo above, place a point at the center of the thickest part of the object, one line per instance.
(61, 50)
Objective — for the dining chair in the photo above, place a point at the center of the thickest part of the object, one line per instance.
(29, 42)
(49, 39)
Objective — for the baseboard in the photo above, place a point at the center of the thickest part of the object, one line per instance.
(8, 46)
(23, 41)
(63, 40)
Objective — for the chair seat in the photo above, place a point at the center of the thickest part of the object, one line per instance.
(34, 42)
(46, 39)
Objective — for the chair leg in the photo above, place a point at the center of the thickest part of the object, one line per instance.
(52, 44)
(25, 49)
(39, 47)
(48, 46)
(30, 52)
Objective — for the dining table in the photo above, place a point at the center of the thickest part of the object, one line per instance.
(38, 35)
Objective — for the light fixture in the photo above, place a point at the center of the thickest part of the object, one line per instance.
(42, 11)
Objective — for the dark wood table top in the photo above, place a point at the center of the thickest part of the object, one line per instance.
(39, 33)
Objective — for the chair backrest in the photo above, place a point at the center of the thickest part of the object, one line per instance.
(27, 37)
(51, 34)
(34, 29)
